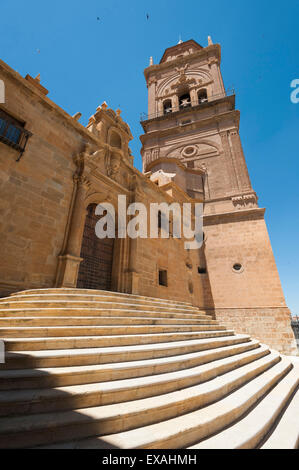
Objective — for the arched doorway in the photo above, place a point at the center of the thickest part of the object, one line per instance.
(95, 270)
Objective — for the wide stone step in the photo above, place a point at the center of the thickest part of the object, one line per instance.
(92, 292)
(35, 344)
(46, 427)
(179, 432)
(285, 434)
(103, 393)
(75, 375)
(66, 331)
(97, 304)
(249, 431)
(112, 297)
(98, 321)
(96, 312)
(106, 355)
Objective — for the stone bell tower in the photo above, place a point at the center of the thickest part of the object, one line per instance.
(191, 132)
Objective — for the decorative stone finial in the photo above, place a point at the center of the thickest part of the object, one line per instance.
(151, 61)
(118, 112)
(210, 42)
(180, 40)
(77, 116)
(37, 78)
(104, 106)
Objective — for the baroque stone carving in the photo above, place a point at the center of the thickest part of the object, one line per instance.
(244, 200)
(85, 158)
(112, 163)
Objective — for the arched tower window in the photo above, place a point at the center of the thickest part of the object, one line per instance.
(167, 106)
(184, 100)
(202, 96)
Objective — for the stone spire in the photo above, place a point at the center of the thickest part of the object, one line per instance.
(210, 42)
(151, 61)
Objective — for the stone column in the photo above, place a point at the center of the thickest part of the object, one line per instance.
(69, 262)
(193, 97)
(77, 222)
(151, 98)
(160, 108)
(216, 77)
(133, 274)
(230, 163)
(240, 161)
(175, 103)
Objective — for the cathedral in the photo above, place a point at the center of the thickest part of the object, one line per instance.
(125, 342)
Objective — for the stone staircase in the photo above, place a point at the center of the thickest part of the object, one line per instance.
(96, 369)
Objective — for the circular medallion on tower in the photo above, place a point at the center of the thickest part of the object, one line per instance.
(189, 151)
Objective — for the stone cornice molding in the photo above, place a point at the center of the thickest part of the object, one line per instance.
(207, 53)
(49, 104)
(233, 114)
(234, 216)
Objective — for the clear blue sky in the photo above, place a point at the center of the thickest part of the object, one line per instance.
(84, 61)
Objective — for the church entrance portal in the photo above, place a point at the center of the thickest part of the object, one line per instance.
(95, 270)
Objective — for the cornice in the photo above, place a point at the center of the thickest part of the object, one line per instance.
(226, 217)
(213, 50)
(235, 114)
(49, 104)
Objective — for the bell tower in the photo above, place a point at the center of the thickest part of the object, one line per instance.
(191, 131)
(191, 118)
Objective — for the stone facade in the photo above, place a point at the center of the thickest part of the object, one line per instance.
(191, 151)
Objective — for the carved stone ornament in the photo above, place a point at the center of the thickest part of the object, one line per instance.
(112, 163)
(86, 157)
(245, 200)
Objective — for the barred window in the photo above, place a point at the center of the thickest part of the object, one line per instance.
(12, 132)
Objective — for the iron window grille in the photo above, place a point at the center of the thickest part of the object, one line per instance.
(13, 133)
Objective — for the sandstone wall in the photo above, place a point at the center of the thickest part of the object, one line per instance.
(35, 193)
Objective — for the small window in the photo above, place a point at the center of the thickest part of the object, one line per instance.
(201, 270)
(162, 277)
(167, 106)
(202, 96)
(115, 140)
(238, 268)
(12, 132)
